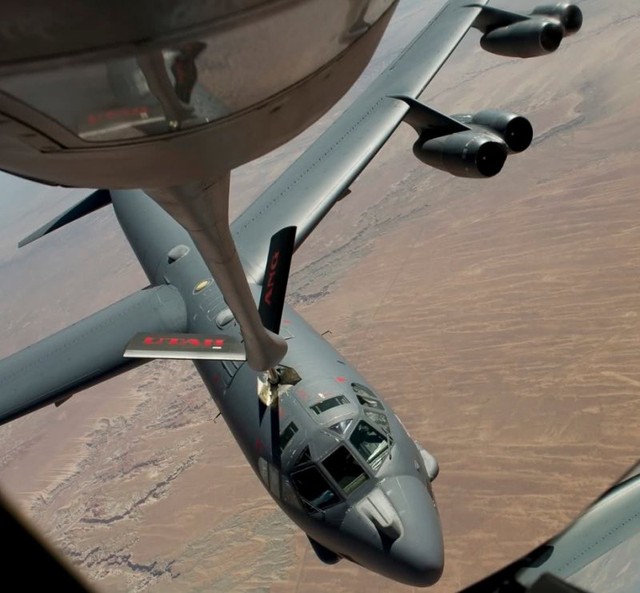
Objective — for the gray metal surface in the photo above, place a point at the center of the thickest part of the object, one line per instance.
(86, 352)
(597, 551)
(413, 552)
(609, 522)
(202, 208)
(308, 189)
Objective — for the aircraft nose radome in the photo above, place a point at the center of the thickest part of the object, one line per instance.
(418, 554)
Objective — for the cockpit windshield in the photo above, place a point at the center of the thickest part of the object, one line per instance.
(314, 489)
(372, 445)
(327, 404)
(345, 470)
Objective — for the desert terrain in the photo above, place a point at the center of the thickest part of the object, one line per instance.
(500, 319)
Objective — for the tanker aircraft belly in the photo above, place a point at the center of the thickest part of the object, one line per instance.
(329, 450)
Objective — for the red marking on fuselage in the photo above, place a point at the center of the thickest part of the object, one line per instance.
(210, 343)
(273, 266)
(341, 379)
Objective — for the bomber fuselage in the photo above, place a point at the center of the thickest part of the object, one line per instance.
(329, 450)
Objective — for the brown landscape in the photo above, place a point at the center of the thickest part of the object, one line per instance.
(499, 318)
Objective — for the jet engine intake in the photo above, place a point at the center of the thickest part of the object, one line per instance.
(568, 14)
(514, 129)
(464, 154)
(524, 39)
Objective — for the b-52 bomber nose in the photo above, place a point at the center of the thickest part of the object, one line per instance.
(418, 555)
(398, 522)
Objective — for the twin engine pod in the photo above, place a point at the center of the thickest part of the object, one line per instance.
(480, 148)
(464, 154)
(527, 36)
(478, 145)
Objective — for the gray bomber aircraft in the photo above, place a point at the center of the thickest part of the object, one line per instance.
(332, 454)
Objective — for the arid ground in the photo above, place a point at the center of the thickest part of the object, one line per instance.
(500, 319)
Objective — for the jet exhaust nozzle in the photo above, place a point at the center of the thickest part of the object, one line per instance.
(464, 154)
(524, 39)
(515, 130)
(569, 15)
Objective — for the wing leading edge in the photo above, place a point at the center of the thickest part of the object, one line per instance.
(308, 189)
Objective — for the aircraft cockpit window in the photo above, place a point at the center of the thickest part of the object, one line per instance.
(314, 489)
(345, 470)
(342, 427)
(305, 457)
(126, 98)
(327, 404)
(366, 396)
(372, 445)
(287, 435)
(378, 419)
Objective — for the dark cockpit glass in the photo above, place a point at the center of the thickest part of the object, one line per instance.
(287, 435)
(314, 489)
(372, 445)
(345, 470)
(327, 404)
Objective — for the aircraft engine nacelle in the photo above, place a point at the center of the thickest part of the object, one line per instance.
(464, 154)
(568, 14)
(515, 130)
(524, 39)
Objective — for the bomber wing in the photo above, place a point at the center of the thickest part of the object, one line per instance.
(309, 188)
(596, 552)
(85, 353)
